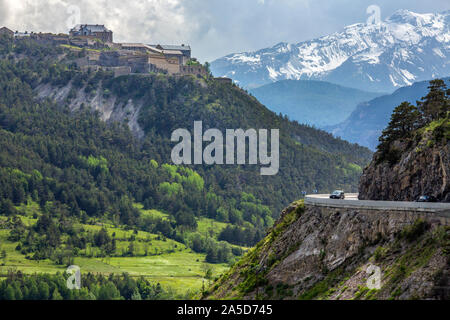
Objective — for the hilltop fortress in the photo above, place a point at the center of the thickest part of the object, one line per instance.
(121, 58)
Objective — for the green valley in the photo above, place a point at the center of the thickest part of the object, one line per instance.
(80, 187)
(154, 257)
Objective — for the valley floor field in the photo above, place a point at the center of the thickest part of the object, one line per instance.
(159, 259)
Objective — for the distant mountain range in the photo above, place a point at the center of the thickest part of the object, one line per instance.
(316, 103)
(407, 47)
(365, 124)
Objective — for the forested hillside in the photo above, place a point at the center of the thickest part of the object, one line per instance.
(81, 170)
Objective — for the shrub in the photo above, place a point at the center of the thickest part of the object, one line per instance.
(413, 232)
(379, 253)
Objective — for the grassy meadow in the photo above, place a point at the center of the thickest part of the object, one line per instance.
(159, 259)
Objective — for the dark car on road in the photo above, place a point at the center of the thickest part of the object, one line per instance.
(426, 199)
(338, 194)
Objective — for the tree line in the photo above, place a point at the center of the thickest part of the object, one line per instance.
(18, 286)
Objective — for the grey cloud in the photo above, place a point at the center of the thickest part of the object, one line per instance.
(3, 11)
(213, 27)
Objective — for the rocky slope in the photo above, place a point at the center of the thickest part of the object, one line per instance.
(324, 253)
(405, 48)
(110, 108)
(422, 168)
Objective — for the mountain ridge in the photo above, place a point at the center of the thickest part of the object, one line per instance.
(407, 47)
(312, 102)
(368, 120)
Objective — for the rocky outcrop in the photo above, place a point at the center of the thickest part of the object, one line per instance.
(423, 168)
(110, 108)
(325, 253)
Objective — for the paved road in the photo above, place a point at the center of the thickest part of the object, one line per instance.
(351, 201)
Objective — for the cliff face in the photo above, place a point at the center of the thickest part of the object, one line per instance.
(109, 108)
(421, 168)
(325, 253)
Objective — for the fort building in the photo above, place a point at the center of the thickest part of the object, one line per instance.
(93, 31)
(224, 80)
(6, 31)
(184, 49)
(196, 70)
(100, 51)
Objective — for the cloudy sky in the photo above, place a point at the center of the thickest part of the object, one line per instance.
(214, 28)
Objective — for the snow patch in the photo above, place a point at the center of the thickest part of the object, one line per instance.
(243, 58)
(272, 73)
(401, 44)
(438, 52)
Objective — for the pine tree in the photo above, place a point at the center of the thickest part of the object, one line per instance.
(136, 295)
(109, 292)
(43, 291)
(9, 293)
(33, 293)
(404, 120)
(3, 255)
(18, 293)
(131, 249)
(436, 103)
(56, 295)
(7, 207)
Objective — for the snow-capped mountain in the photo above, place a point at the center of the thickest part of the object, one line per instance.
(405, 48)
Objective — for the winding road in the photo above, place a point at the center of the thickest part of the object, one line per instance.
(351, 201)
